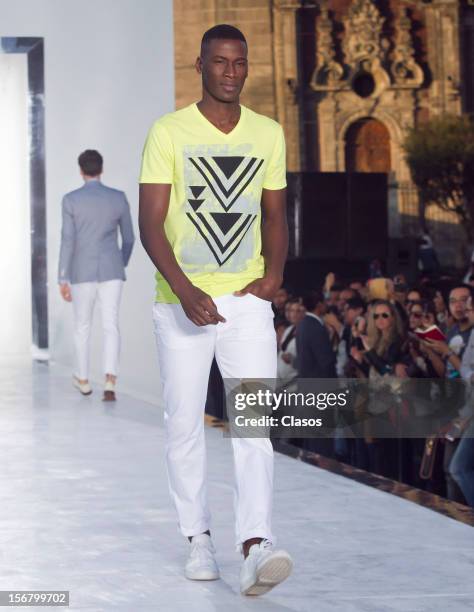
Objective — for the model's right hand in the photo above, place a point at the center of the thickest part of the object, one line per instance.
(65, 291)
(199, 307)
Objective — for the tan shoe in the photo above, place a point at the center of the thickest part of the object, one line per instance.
(109, 392)
(84, 387)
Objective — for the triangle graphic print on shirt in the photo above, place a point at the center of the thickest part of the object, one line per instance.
(222, 206)
(227, 186)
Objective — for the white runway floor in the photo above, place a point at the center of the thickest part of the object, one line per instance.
(84, 507)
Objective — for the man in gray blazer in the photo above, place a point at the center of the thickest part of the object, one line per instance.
(91, 265)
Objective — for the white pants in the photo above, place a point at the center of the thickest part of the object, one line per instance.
(244, 347)
(84, 296)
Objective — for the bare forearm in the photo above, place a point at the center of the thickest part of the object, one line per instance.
(275, 246)
(153, 208)
(455, 362)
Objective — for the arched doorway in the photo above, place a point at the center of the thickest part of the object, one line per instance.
(367, 147)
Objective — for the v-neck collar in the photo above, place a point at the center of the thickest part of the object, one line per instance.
(234, 130)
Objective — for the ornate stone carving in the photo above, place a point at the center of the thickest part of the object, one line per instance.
(364, 47)
(363, 39)
(329, 73)
(405, 70)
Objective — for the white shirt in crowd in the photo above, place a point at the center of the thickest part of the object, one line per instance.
(287, 371)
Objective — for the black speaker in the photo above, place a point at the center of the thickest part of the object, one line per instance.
(338, 215)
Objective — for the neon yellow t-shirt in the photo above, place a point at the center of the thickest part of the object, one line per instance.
(214, 215)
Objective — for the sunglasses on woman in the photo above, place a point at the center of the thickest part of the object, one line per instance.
(384, 315)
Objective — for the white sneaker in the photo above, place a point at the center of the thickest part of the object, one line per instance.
(84, 388)
(264, 568)
(201, 564)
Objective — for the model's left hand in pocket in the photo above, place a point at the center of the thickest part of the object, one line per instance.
(264, 288)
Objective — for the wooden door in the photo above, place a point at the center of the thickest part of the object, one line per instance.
(368, 147)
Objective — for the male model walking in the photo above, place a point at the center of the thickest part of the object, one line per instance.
(91, 265)
(210, 172)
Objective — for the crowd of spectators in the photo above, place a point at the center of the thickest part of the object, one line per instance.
(382, 327)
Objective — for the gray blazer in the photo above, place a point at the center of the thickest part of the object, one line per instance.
(89, 247)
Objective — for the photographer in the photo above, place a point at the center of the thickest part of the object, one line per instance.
(353, 315)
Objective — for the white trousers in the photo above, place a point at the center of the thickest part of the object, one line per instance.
(84, 296)
(244, 347)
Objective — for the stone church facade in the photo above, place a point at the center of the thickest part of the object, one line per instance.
(346, 79)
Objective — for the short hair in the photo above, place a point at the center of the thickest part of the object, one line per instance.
(280, 321)
(470, 288)
(91, 162)
(441, 286)
(312, 299)
(356, 302)
(221, 32)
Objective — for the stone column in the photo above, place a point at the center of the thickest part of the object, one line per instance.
(442, 28)
(285, 57)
